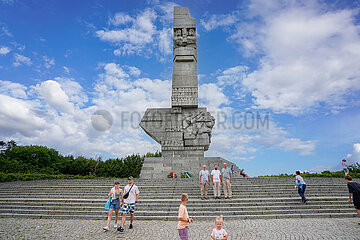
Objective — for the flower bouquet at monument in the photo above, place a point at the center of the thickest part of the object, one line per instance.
(172, 175)
(185, 175)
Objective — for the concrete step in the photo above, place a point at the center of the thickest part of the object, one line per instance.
(197, 218)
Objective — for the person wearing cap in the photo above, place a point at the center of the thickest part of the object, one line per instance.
(129, 203)
(116, 194)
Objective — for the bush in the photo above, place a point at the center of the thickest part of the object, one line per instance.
(22, 163)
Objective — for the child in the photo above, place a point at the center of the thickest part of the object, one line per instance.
(354, 189)
(232, 169)
(183, 217)
(218, 233)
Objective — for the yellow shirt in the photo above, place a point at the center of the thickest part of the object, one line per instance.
(182, 214)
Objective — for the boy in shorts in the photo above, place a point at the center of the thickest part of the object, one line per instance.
(129, 203)
(183, 217)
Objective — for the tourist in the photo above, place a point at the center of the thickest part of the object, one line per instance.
(354, 190)
(131, 196)
(242, 173)
(184, 219)
(219, 233)
(204, 180)
(216, 180)
(116, 195)
(301, 186)
(232, 169)
(227, 180)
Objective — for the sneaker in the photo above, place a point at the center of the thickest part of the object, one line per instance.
(358, 223)
(202, 198)
(121, 229)
(305, 200)
(225, 197)
(115, 225)
(229, 197)
(106, 228)
(131, 226)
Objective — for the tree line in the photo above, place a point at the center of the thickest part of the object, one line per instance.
(40, 162)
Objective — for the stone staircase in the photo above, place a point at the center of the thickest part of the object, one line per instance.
(253, 198)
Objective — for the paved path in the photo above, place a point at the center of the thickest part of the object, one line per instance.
(237, 229)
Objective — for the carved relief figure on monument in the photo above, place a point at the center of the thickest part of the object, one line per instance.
(184, 37)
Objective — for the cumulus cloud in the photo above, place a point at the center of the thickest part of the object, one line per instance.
(4, 50)
(54, 95)
(12, 89)
(211, 95)
(139, 34)
(133, 38)
(354, 157)
(21, 59)
(310, 58)
(308, 55)
(18, 117)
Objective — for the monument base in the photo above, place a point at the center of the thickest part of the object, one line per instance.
(160, 167)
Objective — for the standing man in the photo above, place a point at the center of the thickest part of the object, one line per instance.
(216, 180)
(132, 192)
(301, 185)
(227, 180)
(204, 180)
(354, 189)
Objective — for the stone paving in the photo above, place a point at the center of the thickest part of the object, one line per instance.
(348, 228)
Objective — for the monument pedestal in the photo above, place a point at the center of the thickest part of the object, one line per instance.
(160, 167)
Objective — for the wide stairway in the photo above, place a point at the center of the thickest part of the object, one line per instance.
(253, 198)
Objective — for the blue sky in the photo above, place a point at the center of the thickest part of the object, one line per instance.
(295, 66)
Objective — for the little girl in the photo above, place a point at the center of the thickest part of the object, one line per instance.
(219, 233)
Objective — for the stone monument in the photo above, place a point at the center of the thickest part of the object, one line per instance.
(184, 130)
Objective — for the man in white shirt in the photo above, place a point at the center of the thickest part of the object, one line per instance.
(204, 180)
(129, 203)
(216, 180)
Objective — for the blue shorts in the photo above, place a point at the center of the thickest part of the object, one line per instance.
(115, 204)
(128, 207)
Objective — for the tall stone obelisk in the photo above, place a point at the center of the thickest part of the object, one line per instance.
(184, 130)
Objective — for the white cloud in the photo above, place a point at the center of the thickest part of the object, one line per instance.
(4, 50)
(354, 157)
(54, 95)
(165, 41)
(134, 38)
(134, 71)
(216, 21)
(20, 59)
(310, 58)
(17, 116)
(12, 89)
(73, 90)
(212, 96)
(139, 34)
(120, 19)
(48, 62)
